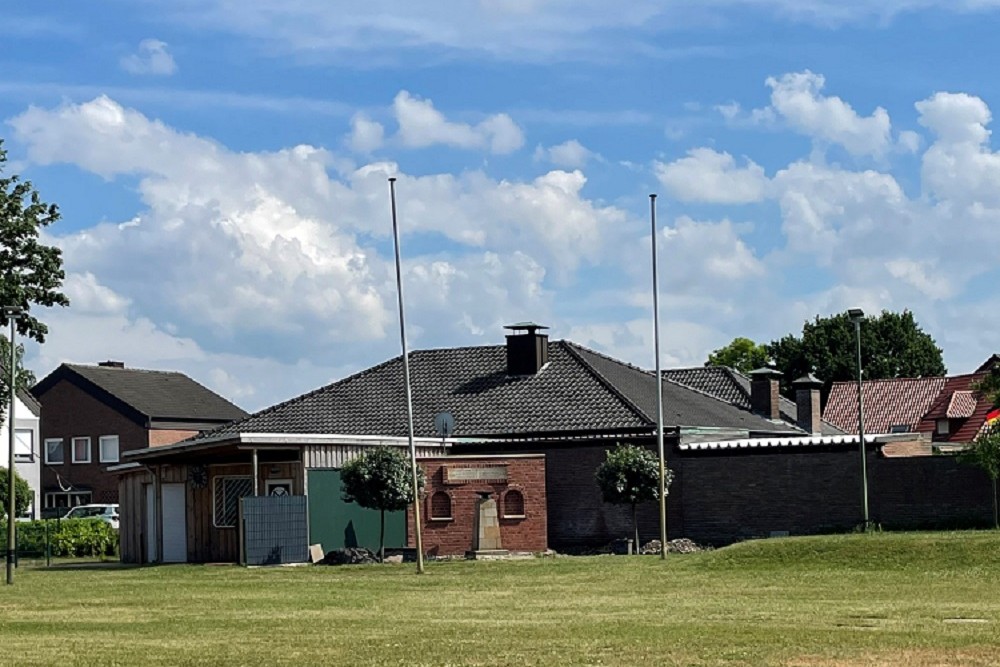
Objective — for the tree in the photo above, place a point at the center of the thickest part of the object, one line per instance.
(742, 354)
(631, 475)
(379, 479)
(985, 453)
(892, 345)
(22, 492)
(31, 273)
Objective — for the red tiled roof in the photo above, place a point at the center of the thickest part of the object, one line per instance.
(968, 429)
(961, 405)
(887, 403)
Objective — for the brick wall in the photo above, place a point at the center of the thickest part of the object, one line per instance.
(745, 494)
(160, 437)
(578, 516)
(456, 536)
(70, 412)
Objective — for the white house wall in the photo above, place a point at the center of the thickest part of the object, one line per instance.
(30, 469)
(335, 456)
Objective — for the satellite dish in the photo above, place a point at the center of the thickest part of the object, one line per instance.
(444, 424)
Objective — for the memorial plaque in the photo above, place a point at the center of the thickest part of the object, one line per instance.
(463, 475)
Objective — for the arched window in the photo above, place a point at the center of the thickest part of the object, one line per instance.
(513, 504)
(441, 505)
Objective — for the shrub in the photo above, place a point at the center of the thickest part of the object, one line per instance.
(68, 538)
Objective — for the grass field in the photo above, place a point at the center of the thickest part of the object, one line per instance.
(883, 599)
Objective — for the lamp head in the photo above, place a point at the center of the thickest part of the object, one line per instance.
(12, 312)
(856, 314)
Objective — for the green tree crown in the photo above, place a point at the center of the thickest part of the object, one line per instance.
(379, 479)
(22, 492)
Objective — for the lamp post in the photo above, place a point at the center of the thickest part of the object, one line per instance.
(856, 315)
(12, 313)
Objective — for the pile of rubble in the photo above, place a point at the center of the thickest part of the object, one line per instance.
(350, 556)
(678, 546)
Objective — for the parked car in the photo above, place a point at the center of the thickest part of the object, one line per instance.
(106, 513)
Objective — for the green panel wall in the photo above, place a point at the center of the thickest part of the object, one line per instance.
(336, 524)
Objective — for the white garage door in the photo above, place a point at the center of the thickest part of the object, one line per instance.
(174, 524)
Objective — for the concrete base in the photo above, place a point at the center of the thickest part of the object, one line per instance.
(486, 554)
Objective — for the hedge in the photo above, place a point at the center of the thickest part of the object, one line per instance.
(67, 538)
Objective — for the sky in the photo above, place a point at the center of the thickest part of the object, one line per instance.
(222, 173)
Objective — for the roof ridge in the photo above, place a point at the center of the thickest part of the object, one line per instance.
(569, 346)
(916, 379)
(117, 369)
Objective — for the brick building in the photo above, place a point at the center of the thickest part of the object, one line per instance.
(93, 414)
(747, 463)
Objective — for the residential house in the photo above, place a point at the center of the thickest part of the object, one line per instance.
(26, 450)
(526, 398)
(93, 414)
(949, 411)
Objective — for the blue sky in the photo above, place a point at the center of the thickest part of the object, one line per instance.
(221, 167)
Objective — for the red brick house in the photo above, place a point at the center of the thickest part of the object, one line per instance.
(948, 410)
(94, 414)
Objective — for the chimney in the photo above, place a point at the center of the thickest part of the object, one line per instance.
(112, 364)
(809, 417)
(527, 349)
(764, 393)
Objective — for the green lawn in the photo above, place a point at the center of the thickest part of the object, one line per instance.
(884, 599)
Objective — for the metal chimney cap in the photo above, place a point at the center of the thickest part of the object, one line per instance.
(529, 326)
(765, 372)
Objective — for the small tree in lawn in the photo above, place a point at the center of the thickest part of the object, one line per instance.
(22, 492)
(985, 453)
(631, 475)
(379, 480)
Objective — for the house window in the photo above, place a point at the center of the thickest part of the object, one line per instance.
(109, 448)
(899, 428)
(513, 504)
(54, 454)
(941, 427)
(228, 491)
(66, 498)
(24, 445)
(81, 450)
(440, 506)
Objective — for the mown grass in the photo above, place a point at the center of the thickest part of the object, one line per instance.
(884, 599)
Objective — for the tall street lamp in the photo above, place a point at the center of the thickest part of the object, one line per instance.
(12, 313)
(856, 315)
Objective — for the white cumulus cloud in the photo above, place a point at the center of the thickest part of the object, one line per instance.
(152, 57)
(798, 97)
(421, 125)
(706, 175)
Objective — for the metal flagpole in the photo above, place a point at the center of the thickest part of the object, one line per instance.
(12, 314)
(659, 387)
(406, 381)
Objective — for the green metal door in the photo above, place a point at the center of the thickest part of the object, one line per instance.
(337, 525)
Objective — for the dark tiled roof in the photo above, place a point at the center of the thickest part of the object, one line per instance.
(577, 391)
(158, 395)
(887, 403)
(733, 387)
(682, 405)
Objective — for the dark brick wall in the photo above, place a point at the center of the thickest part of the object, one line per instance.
(455, 537)
(70, 412)
(745, 494)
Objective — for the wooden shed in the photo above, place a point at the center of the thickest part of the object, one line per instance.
(180, 503)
